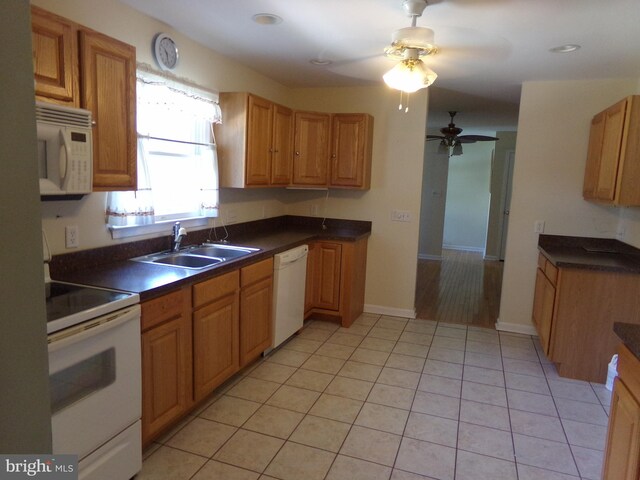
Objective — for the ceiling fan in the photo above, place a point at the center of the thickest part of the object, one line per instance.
(451, 138)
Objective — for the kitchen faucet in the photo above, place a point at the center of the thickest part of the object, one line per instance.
(178, 234)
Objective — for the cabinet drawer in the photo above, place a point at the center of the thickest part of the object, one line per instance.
(542, 261)
(210, 290)
(551, 272)
(159, 310)
(255, 272)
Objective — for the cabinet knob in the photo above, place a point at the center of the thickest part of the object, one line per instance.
(333, 155)
(94, 123)
(298, 154)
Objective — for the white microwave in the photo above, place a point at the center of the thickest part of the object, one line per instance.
(65, 147)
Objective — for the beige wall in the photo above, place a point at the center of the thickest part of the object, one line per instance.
(397, 162)
(433, 202)
(551, 148)
(506, 143)
(395, 185)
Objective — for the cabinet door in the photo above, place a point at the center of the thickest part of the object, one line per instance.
(327, 276)
(311, 144)
(623, 438)
(310, 283)
(610, 157)
(55, 58)
(259, 132)
(215, 344)
(596, 136)
(544, 298)
(282, 145)
(166, 361)
(108, 69)
(351, 150)
(256, 334)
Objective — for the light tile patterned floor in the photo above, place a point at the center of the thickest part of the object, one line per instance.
(392, 399)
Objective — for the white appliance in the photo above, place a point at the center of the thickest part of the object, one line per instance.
(289, 279)
(65, 147)
(95, 377)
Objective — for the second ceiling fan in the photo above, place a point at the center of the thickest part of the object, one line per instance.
(451, 138)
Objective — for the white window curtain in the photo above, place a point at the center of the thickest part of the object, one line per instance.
(177, 160)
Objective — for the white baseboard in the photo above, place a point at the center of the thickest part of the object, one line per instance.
(491, 257)
(425, 256)
(516, 328)
(392, 312)
(463, 248)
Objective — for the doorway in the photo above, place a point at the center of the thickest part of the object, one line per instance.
(463, 285)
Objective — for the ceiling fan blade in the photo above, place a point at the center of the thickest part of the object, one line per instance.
(435, 137)
(476, 138)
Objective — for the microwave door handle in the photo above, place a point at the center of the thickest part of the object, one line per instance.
(65, 153)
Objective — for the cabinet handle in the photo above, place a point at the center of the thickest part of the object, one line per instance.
(333, 155)
(94, 123)
(298, 154)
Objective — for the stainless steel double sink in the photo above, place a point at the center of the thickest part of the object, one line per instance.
(196, 257)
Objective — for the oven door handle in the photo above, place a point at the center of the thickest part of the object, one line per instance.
(89, 329)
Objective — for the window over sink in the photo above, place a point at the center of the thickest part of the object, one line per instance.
(177, 159)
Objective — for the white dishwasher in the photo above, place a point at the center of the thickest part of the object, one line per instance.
(289, 279)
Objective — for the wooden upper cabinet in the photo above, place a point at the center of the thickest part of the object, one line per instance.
(108, 72)
(255, 141)
(55, 60)
(311, 149)
(78, 67)
(612, 172)
(259, 134)
(592, 168)
(282, 145)
(351, 142)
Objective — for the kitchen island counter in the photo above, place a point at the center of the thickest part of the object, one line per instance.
(590, 253)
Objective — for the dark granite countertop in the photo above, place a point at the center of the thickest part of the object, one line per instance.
(110, 267)
(629, 333)
(590, 253)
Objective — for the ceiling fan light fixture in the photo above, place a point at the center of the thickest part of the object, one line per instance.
(457, 149)
(443, 148)
(410, 74)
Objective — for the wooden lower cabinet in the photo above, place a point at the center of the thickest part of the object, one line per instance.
(574, 310)
(622, 454)
(215, 332)
(336, 276)
(256, 305)
(166, 361)
(544, 297)
(195, 338)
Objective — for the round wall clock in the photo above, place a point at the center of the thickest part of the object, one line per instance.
(165, 51)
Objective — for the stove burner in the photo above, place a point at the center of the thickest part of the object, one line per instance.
(64, 300)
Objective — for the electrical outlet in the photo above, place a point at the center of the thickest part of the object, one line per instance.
(232, 216)
(71, 236)
(400, 216)
(538, 226)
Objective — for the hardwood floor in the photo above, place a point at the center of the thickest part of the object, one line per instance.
(460, 288)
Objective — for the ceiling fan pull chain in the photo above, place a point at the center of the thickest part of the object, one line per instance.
(407, 108)
(400, 105)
